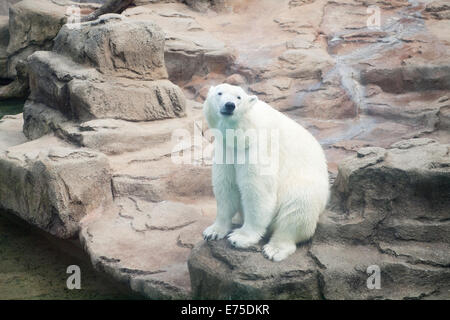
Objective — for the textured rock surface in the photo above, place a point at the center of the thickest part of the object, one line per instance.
(11, 131)
(4, 39)
(27, 27)
(152, 100)
(5, 5)
(402, 193)
(86, 79)
(117, 46)
(53, 185)
(32, 26)
(320, 60)
(145, 244)
(220, 272)
(189, 49)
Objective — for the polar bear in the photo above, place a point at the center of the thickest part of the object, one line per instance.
(283, 204)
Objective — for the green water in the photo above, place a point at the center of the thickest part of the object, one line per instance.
(33, 264)
(13, 106)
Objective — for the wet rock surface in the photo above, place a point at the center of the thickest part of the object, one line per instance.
(92, 156)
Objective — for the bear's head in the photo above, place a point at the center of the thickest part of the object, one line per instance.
(226, 104)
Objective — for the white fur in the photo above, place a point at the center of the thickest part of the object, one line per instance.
(284, 205)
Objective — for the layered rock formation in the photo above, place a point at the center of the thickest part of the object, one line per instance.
(28, 26)
(97, 165)
(93, 70)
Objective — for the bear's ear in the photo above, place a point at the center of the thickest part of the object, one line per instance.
(211, 90)
(252, 100)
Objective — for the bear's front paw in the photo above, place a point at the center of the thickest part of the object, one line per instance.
(215, 232)
(243, 239)
(278, 252)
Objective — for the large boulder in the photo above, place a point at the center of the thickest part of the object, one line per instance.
(220, 272)
(116, 46)
(398, 194)
(32, 26)
(53, 185)
(407, 186)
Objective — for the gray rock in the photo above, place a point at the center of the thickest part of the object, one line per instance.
(50, 75)
(344, 274)
(52, 185)
(5, 5)
(109, 136)
(205, 5)
(85, 79)
(220, 272)
(19, 87)
(41, 120)
(11, 131)
(410, 181)
(115, 45)
(4, 39)
(32, 26)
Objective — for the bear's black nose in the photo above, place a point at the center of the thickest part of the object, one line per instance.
(230, 106)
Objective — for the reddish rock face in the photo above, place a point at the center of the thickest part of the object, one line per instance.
(324, 60)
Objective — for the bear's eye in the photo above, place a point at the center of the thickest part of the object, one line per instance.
(220, 93)
(239, 98)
